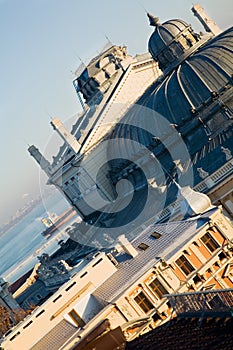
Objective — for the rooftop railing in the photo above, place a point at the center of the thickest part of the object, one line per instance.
(202, 302)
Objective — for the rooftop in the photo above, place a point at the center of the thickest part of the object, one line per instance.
(172, 237)
(188, 334)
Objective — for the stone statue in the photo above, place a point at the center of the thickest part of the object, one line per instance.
(202, 173)
(227, 153)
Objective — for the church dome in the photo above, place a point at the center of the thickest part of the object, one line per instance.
(171, 42)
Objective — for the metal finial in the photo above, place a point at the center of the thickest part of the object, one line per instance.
(154, 21)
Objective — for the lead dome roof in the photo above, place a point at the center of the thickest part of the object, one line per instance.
(164, 33)
(205, 73)
(191, 91)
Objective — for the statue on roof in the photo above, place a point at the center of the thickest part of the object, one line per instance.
(202, 173)
(227, 153)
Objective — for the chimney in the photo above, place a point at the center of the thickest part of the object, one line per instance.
(40, 159)
(69, 139)
(207, 22)
(127, 246)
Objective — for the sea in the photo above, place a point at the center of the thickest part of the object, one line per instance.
(21, 244)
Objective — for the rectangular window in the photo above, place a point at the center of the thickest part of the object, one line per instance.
(156, 235)
(70, 286)
(97, 262)
(144, 302)
(57, 298)
(76, 318)
(143, 246)
(184, 265)
(40, 313)
(27, 325)
(14, 336)
(210, 242)
(158, 288)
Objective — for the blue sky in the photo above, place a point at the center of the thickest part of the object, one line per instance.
(41, 41)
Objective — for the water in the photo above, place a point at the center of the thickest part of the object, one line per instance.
(20, 245)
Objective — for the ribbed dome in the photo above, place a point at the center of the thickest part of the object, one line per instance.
(196, 98)
(164, 34)
(196, 81)
(172, 42)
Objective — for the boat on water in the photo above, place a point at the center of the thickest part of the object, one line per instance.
(53, 221)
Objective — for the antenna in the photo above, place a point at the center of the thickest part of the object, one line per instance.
(108, 40)
(78, 57)
(49, 115)
(27, 143)
(140, 4)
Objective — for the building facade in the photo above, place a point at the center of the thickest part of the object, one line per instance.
(186, 79)
(6, 298)
(128, 284)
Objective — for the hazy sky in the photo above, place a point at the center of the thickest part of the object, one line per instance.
(41, 42)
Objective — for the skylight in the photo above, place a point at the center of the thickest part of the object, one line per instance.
(156, 234)
(143, 246)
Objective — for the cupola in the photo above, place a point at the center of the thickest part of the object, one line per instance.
(171, 42)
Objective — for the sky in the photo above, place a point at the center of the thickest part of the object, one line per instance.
(42, 42)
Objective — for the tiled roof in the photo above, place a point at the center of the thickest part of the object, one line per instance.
(56, 337)
(19, 282)
(187, 334)
(174, 235)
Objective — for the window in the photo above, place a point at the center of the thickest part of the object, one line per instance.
(144, 302)
(27, 325)
(40, 313)
(14, 336)
(97, 262)
(70, 286)
(156, 234)
(143, 246)
(158, 288)
(210, 242)
(58, 297)
(197, 279)
(76, 318)
(222, 256)
(184, 265)
(156, 317)
(84, 274)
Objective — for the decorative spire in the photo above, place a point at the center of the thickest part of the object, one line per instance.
(154, 21)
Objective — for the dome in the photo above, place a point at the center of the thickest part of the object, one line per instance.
(164, 34)
(171, 41)
(196, 83)
(196, 99)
